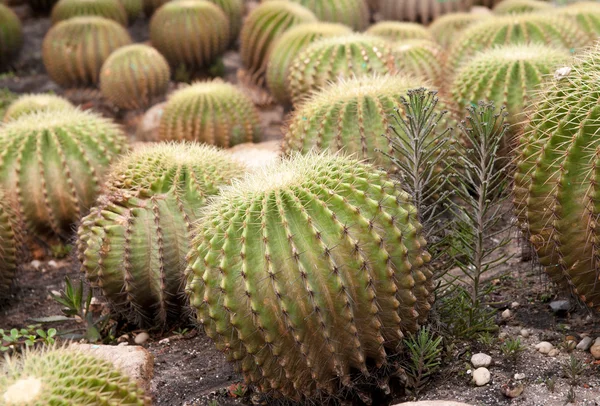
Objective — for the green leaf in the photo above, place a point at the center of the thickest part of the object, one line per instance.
(41, 333)
(52, 319)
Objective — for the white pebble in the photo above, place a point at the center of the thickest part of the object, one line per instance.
(141, 338)
(507, 314)
(544, 347)
(524, 333)
(481, 360)
(519, 377)
(481, 376)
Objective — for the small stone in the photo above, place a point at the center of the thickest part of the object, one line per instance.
(584, 344)
(514, 305)
(123, 344)
(560, 306)
(519, 377)
(595, 349)
(481, 376)
(507, 314)
(512, 389)
(481, 360)
(141, 338)
(524, 333)
(554, 352)
(123, 339)
(164, 341)
(544, 347)
(52, 264)
(503, 335)
(36, 264)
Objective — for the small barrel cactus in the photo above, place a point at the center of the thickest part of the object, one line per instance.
(287, 48)
(111, 9)
(521, 6)
(30, 103)
(190, 33)
(262, 27)
(352, 116)
(353, 13)
(9, 237)
(399, 31)
(420, 57)
(586, 14)
(423, 11)
(308, 271)
(556, 181)
(133, 76)
(215, 113)
(329, 59)
(59, 376)
(509, 76)
(539, 28)
(74, 50)
(11, 34)
(52, 165)
(447, 28)
(133, 8)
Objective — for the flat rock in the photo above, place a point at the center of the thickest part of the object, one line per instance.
(433, 403)
(560, 306)
(481, 376)
(134, 361)
(585, 344)
(481, 360)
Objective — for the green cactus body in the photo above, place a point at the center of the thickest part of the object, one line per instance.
(11, 34)
(556, 193)
(516, 29)
(111, 9)
(52, 165)
(309, 270)
(60, 376)
(447, 28)
(190, 33)
(521, 6)
(8, 247)
(586, 14)
(288, 47)
(421, 58)
(329, 59)
(234, 10)
(30, 103)
(215, 113)
(133, 8)
(353, 13)
(352, 116)
(399, 31)
(509, 76)
(133, 76)
(423, 11)
(262, 27)
(74, 50)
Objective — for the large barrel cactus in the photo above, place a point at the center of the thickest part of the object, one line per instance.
(329, 59)
(53, 163)
(447, 28)
(353, 13)
(263, 26)
(111, 9)
(11, 34)
(422, 58)
(9, 247)
(60, 376)
(190, 33)
(74, 50)
(133, 76)
(29, 103)
(309, 272)
(423, 11)
(521, 6)
(586, 14)
(352, 116)
(287, 48)
(540, 28)
(399, 31)
(556, 191)
(215, 113)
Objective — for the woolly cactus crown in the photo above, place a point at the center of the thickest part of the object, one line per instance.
(111, 9)
(398, 31)
(29, 103)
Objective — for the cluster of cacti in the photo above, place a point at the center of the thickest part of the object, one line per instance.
(446, 29)
(190, 33)
(539, 28)
(423, 11)
(11, 34)
(111, 9)
(52, 165)
(398, 31)
(521, 6)
(352, 116)
(133, 8)
(586, 14)
(59, 376)
(74, 50)
(262, 27)
(353, 13)
(420, 58)
(309, 271)
(332, 58)
(215, 113)
(556, 181)
(509, 76)
(30, 103)
(9, 236)
(133, 76)
(287, 48)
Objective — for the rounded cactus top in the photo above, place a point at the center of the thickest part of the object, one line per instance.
(178, 168)
(397, 31)
(352, 13)
(521, 6)
(446, 28)
(30, 103)
(111, 9)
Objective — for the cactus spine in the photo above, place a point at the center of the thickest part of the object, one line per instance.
(447, 28)
(11, 34)
(423, 11)
(30, 103)
(556, 192)
(308, 270)
(520, 6)
(74, 50)
(398, 31)
(9, 236)
(111, 9)
(288, 47)
(262, 27)
(52, 165)
(133, 76)
(66, 376)
(215, 113)
(353, 13)
(421, 58)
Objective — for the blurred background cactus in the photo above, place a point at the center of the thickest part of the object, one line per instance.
(423, 11)
(234, 10)
(398, 31)
(521, 6)
(29, 103)
(447, 28)
(353, 13)
(586, 14)
(75, 49)
(215, 113)
(111, 9)
(133, 8)
(316, 240)
(134, 76)
(421, 58)
(9, 247)
(11, 35)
